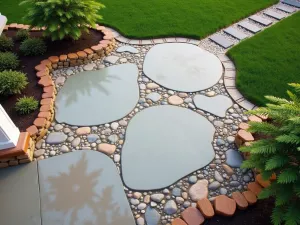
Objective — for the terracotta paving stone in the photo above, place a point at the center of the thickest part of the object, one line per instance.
(47, 63)
(255, 188)
(245, 135)
(40, 122)
(224, 206)
(46, 115)
(97, 48)
(63, 58)
(42, 73)
(45, 81)
(240, 200)
(88, 51)
(244, 126)
(273, 177)
(46, 108)
(81, 54)
(178, 221)
(250, 197)
(49, 89)
(263, 117)
(262, 182)
(47, 101)
(72, 56)
(108, 37)
(54, 59)
(32, 130)
(192, 216)
(206, 208)
(40, 67)
(253, 118)
(48, 94)
(104, 42)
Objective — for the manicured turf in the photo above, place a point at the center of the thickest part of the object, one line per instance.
(268, 61)
(162, 18)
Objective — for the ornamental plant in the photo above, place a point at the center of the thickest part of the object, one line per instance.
(63, 18)
(278, 153)
(8, 61)
(12, 82)
(6, 43)
(26, 105)
(33, 47)
(22, 35)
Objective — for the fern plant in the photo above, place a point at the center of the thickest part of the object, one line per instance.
(63, 18)
(279, 153)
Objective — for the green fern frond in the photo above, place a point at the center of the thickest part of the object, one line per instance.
(288, 175)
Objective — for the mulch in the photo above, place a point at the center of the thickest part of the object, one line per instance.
(54, 48)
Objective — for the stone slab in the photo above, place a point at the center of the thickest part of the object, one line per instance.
(221, 40)
(216, 105)
(98, 97)
(127, 48)
(83, 187)
(292, 3)
(234, 158)
(161, 134)
(261, 20)
(182, 67)
(19, 193)
(286, 9)
(274, 14)
(250, 27)
(235, 33)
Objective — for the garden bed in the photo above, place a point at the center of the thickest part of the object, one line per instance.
(28, 64)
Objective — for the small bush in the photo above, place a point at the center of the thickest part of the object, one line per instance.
(6, 43)
(33, 46)
(22, 35)
(8, 61)
(12, 82)
(26, 105)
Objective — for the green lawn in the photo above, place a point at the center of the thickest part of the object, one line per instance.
(158, 18)
(268, 61)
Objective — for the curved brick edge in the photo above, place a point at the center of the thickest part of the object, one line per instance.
(41, 124)
(223, 205)
(230, 83)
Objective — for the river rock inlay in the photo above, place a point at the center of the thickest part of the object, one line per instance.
(98, 97)
(182, 67)
(164, 144)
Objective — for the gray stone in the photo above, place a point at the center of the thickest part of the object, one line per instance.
(75, 142)
(223, 191)
(113, 138)
(170, 207)
(64, 149)
(92, 137)
(218, 177)
(144, 132)
(98, 97)
(218, 123)
(233, 158)
(214, 185)
(193, 179)
(261, 20)
(127, 48)
(60, 80)
(111, 59)
(246, 178)
(69, 72)
(220, 142)
(182, 67)
(199, 190)
(56, 138)
(231, 139)
(58, 127)
(134, 201)
(274, 14)
(140, 221)
(152, 216)
(176, 192)
(221, 40)
(142, 206)
(154, 97)
(286, 9)
(234, 183)
(235, 33)
(217, 105)
(38, 153)
(157, 197)
(250, 27)
(292, 3)
(89, 67)
(74, 174)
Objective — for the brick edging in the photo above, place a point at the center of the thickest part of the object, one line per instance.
(42, 123)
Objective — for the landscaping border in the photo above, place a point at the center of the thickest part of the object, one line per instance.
(41, 124)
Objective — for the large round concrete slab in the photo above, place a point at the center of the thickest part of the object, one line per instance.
(98, 97)
(83, 187)
(182, 67)
(164, 144)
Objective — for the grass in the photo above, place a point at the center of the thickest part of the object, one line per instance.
(268, 61)
(163, 18)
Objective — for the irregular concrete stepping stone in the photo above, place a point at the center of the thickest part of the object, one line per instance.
(19, 192)
(216, 105)
(152, 216)
(250, 27)
(274, 14)
(111, 59)
(150, 138)
(261, 20)
(83, 187)
(234, 158)
(182, 67)
(221, 40)
(292, 3)
(127, 49)
(235, 33)
(56, 138)
(286, 9)
(98, 97)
